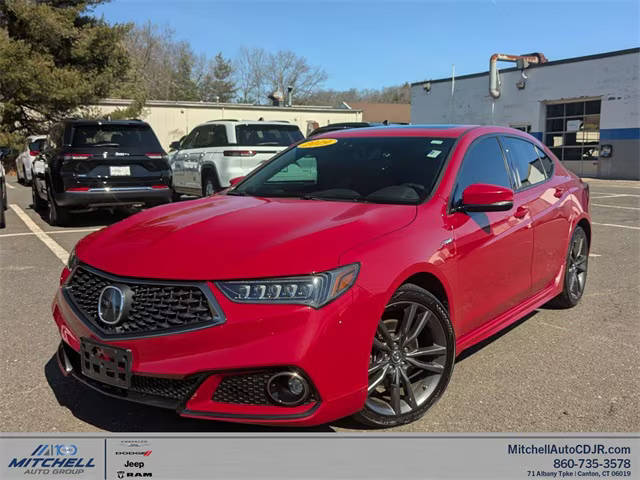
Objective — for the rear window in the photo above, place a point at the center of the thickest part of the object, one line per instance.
(120, 136)
(37, 145)
(274, 135)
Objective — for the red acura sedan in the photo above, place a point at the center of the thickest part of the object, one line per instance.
(340, 278)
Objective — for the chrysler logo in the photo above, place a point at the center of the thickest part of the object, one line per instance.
(113, 303)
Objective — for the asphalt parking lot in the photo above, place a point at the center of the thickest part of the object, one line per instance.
(556, 370)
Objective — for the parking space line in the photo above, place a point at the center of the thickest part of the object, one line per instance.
(614, 195)
(614, 225)
(77, 230)
(57, 250)
(614, 206)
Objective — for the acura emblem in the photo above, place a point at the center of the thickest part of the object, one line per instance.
(113, 303)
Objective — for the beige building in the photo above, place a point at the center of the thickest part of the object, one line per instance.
(171, 120)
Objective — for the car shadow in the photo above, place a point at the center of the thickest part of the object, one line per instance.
(115, 415)
(98, 218)
(479, 346)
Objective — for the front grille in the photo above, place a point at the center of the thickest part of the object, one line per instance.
(249, 389)
(157, 307)
(164, 387)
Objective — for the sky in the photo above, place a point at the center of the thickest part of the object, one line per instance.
(375, 43)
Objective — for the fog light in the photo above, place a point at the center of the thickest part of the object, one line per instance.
(288, 388)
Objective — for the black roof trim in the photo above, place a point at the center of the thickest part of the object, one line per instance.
(555, 62)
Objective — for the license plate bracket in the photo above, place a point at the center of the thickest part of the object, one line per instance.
(106, 364)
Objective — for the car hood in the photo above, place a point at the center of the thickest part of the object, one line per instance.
(224, 237)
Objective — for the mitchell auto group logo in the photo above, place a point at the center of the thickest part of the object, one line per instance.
(53, 459)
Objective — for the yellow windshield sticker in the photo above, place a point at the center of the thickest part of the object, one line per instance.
(321, 142)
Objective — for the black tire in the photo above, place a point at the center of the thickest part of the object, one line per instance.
(3, 207)
(175, 196)
(424, 327)
(58, 216)
(37, 202)
(210, 184)
(575, 272)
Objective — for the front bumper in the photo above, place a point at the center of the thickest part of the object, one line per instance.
(327, 346)
(104, 197)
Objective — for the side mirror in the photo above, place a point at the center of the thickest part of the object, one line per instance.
(481, 197)
(235, 181)
(174, 145)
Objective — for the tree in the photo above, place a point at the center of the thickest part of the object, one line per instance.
(217, 84)
(261, 73)
(54, 58)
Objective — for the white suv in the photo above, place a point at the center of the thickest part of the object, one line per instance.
(219, 150)
(27, 156)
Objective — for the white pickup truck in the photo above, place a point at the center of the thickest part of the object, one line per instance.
(217, 151)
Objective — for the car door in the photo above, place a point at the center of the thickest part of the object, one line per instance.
(181, 160)
(541, 196)
(493, 249)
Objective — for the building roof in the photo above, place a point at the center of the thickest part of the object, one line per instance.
(540, 65)
(226, 106)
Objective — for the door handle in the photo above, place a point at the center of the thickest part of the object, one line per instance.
(521, 212)
(559, 192)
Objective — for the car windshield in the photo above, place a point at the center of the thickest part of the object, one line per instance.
(365, 169)
(267, 135)
(123, 136)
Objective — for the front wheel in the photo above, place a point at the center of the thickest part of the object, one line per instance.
(210, 185)
(411, 360)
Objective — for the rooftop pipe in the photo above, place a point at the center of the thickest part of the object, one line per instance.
(522, 62)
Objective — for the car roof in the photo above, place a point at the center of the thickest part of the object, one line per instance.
(250, 122)
(104, 122)
(451, 131)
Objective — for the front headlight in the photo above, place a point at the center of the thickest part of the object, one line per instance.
(313, 290)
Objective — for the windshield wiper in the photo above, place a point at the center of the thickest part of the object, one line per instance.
(237, 193)
(104, 144)
(310, 196)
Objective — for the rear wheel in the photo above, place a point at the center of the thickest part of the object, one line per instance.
(3, 207)
(209, 184)
(37, 202)
(575, 275)
(58, 216)
(411, 359)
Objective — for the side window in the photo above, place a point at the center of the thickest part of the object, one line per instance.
(483, 163)
(526, 164)
(191, 139)
(547, 163)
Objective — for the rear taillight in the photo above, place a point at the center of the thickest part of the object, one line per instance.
(76, 156)
(34, 153)
(154, 156)
(159, 187)
(78, 189)
(239, 153)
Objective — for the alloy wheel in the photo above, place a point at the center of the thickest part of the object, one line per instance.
(408, 359)
(577, 265)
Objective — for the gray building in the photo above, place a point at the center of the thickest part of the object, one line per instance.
(586, 109)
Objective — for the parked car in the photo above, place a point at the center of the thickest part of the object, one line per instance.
(217, 151)
(90, 164)
(26, 157)
(342, 277)
(3, 196)
(332, 127)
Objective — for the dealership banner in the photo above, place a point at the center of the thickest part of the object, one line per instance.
(319, 456)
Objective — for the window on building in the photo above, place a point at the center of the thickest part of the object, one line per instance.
(572, 130)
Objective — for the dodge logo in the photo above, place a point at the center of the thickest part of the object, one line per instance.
(113, 303)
